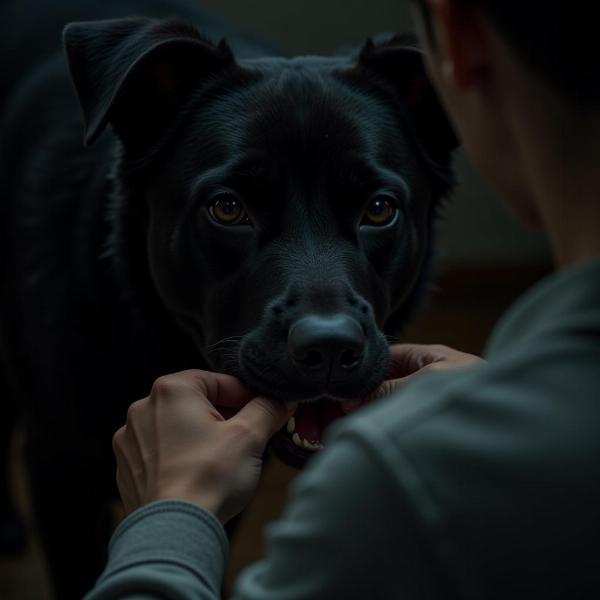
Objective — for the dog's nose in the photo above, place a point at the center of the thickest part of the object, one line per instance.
(326, 348)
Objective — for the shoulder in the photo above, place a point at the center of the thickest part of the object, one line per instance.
(497, 463)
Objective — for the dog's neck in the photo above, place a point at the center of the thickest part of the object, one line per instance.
(124, 250)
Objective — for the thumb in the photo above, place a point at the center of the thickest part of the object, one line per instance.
(266, 416)
(387, 388)
(406, 359)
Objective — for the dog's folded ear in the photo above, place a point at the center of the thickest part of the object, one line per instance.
(135, 73)
(399, 64)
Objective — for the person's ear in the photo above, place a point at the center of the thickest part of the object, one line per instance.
(460, 43)
(399, 64)
(136, 73)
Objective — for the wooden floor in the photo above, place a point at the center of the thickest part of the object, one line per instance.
(461, 314)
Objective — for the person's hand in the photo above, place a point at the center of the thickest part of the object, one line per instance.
(178, 445)
(409, 361)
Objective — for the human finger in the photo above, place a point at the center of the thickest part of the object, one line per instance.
(406, 359)
(222, 390)
(265, 416)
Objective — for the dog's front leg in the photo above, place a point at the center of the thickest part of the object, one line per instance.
(70, 494)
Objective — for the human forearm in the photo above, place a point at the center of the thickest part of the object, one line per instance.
(165, 550)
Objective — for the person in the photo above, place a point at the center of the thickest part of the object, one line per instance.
(477, 480)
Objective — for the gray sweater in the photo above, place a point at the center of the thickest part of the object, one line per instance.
(478, 484)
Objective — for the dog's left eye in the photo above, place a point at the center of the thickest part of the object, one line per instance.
(226, 209)
(380, 211)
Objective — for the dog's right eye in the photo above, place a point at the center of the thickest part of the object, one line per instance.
(380, 211)
(226, 209)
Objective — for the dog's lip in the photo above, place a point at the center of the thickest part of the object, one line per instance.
(300, 438)
(253, 378)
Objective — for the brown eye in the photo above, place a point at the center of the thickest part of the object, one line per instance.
(226, 209)
(380, 211)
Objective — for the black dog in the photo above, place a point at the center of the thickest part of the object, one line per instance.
(265, 217)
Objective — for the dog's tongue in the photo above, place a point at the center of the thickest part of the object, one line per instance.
(307, 422)
(313, 419)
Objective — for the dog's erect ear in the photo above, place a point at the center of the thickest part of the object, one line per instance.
(400, 64)
(135, 73)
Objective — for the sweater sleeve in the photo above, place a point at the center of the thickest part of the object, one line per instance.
(348, 533)
(167, 549)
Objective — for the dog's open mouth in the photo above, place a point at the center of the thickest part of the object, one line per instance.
(305, 431)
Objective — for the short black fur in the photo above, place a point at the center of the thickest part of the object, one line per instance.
(113, 271)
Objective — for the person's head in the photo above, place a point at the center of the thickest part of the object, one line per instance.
(500, 64)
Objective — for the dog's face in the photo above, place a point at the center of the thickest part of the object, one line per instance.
(286, 205)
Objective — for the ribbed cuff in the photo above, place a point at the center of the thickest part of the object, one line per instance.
(170, 531)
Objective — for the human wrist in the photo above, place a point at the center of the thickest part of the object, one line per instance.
(210, 502)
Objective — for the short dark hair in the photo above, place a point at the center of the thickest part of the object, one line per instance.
(557, 40)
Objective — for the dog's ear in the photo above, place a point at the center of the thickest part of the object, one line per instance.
(135, 73)
(399, 63)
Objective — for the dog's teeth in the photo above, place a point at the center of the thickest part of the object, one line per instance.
(309, 446)
(291, 426)
(305, 444)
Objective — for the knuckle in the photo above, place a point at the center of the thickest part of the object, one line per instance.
(384, 390)
(134, 409)
(417, 357)
(162, 386)
(167, 386)
(201, 380)
(131, 412)
(440, 351)
(244, 432)
(392, 386)
(117, 439)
